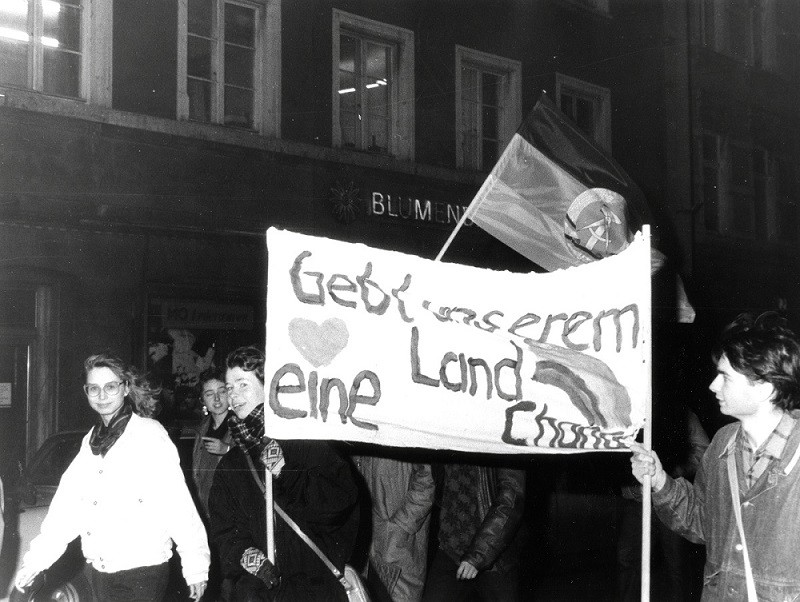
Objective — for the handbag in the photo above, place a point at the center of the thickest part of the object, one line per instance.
(351, 581)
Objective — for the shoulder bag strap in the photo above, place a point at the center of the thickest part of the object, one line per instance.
(733, 481)
(337, 573)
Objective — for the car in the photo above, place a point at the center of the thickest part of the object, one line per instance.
(27, 504)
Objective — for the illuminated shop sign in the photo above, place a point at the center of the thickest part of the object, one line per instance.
(393, 206)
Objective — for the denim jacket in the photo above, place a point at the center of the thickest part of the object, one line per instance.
(703, 513)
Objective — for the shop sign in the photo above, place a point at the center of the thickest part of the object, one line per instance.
(399, 207)
(206, 316)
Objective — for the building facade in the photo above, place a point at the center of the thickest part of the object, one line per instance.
(147, 146)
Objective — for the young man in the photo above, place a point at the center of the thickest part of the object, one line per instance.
(758, 383)
(312, 484)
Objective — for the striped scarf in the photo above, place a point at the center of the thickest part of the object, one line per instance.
(248, 433)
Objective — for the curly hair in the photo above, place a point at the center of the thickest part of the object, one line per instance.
(764, 349)
(213, 373)
(249, 359)
(141, 394)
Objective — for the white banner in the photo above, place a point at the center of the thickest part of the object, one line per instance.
(382, 347)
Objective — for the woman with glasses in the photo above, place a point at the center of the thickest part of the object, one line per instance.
(125, 495)
(213, 436)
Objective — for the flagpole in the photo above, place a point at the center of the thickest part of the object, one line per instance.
(648, 432)
(452, 236)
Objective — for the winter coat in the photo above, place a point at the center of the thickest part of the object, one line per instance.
(402, 494)
(316, 488)
(204, 463)
(703, 513)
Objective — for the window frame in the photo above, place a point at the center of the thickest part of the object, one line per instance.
(95, 53)
(511, 112)
(599, 96)
(266, 66)
(401, 93)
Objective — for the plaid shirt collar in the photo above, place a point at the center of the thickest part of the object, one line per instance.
(755, 462)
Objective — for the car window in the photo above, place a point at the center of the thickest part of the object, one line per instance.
(52, 459)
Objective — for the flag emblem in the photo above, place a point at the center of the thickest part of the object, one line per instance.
(595, 222)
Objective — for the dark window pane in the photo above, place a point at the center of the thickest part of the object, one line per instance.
(199, 58)
(378, 135)
(742, 213)
(201, 17)
(376, 99)
(489, 154)
(240, 25)
(238, 107)
(375, 57)
(18, 308)
(568, 106)
(348, 49)
(490, 123)
(489, 84)
(14, 64)
(62, 73)
(239, 66)
(584, 115)
(199, 100)
(348, 124)
(62, 28)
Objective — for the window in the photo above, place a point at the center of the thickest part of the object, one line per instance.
(41, 45)
(488, 107)
(228, 52)
(589, 106)
(756, 32)
(373, 86)
(747, 192)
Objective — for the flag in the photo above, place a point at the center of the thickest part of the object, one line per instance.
(559, 200)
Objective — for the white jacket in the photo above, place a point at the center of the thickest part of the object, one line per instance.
(128, 508)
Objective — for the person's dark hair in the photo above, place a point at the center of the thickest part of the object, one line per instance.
(249, 359)
(764, 349)
(214, 373)
(141, 394)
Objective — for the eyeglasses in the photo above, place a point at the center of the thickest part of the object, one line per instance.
(111, 388)
(210, 395)
(238, 388)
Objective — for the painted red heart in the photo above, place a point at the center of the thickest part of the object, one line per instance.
(318, 343)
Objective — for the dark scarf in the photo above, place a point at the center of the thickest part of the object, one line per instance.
(248, 433)
(103, 437)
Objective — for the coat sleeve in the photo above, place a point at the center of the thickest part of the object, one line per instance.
(180, 513)
(416, 507)
(680, 505)
(231, 529)
(501, 522)
(59, 527)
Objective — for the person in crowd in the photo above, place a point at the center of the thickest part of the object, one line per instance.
(213, 440)
(125, 495)
(480, 516)
(312, 483)
(743, 502)
(401, 496)
(214, 437)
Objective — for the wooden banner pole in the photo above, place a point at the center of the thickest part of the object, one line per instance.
(270, 516)
(648, 433)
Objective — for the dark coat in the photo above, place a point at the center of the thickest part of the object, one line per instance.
(317, 489)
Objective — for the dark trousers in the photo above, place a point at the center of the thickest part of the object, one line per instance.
(489, 586)
(143, 584)
(676, 564)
